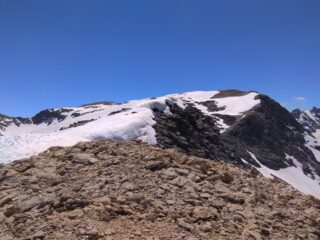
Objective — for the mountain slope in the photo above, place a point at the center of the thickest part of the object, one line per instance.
(130, 190)
(244, 128)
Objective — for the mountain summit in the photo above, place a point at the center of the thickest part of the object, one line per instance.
(247, 129)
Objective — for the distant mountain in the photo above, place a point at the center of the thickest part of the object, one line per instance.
(244, 128)
(310, 120)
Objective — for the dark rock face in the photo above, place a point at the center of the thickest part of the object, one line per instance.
(269, 132)
(212, 106)
(119, 111)
(77, 124)
(96, 103)
(49, 115)
(191, 132)
(231, 93)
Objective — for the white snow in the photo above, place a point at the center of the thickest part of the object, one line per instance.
(317, 135)
(311, 142)
(293, 176)
(134, 121)
(237, 105)
(121, 126)
(311, 115)
(221, 125)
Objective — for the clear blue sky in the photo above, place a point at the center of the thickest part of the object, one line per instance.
(63, 53)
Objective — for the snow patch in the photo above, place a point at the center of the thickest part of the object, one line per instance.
(237, 105)
(311, 142)
(293, 176)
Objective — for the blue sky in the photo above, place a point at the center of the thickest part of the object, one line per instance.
(64, 53)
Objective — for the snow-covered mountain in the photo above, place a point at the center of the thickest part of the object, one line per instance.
(309, 119)
(244, 128)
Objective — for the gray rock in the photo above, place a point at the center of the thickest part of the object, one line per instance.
(26, 205)
(83, 158)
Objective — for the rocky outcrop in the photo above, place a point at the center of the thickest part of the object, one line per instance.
(270, 132)
(193, 133)
(93, 104)
(130, 190)
(49, 115)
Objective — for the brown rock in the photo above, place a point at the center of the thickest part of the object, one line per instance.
(204, 213)
(181, 223)
(226, 178)
(117, 197)
(39, 235)
(233, 198)
(156, 165)
(5, 201)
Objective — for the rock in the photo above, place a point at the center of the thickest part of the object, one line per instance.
(181, 223)
(233, 198)
(182, 171)
(204, 213)
(23, 165)
(5, 201)
(30, 203)
(11, 211)
(205, 195)
(206, 227)
(251, 234)
(77, 213)
(254, 172)
(226, 178)
(83, 158)
(265, 231)
(169, 173)
(6, 237)
(129, 186)
(217, 203)
(179, 182)
(72, 204)
(39, 235)
(156, 165)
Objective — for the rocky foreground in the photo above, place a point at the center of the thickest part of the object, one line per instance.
(130, 190)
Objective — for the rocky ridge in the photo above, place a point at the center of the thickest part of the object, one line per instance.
(131, 190)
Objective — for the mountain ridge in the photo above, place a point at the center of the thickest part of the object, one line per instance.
(247, 129)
